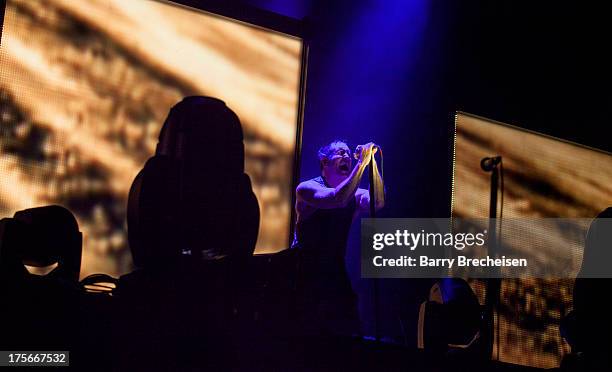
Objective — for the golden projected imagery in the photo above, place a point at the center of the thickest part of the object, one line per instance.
(543, 177)
(86, 85)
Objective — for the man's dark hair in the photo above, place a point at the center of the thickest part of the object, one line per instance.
(325, 152)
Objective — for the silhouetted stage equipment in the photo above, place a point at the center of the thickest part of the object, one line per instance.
(50, 235)
(450, 318)
(193, 199)
(39, 312)
(588, 326)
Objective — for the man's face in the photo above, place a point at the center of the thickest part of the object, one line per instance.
(340, 161)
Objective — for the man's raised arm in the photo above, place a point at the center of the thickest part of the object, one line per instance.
(322, 197)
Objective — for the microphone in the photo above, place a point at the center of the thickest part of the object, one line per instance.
(357, 152)
(488, 164)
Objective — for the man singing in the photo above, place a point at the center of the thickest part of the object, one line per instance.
(326, 206)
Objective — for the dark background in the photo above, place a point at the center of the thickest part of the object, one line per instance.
(395, 72)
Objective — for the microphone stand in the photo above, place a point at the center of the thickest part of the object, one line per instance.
(376, 280)
(493, 284)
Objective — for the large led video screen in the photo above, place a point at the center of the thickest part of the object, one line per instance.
(86, 85)
(543, 177)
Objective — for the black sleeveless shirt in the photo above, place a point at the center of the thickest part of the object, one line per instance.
(325, 232)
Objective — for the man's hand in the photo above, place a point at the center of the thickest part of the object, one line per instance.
(366, 152)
